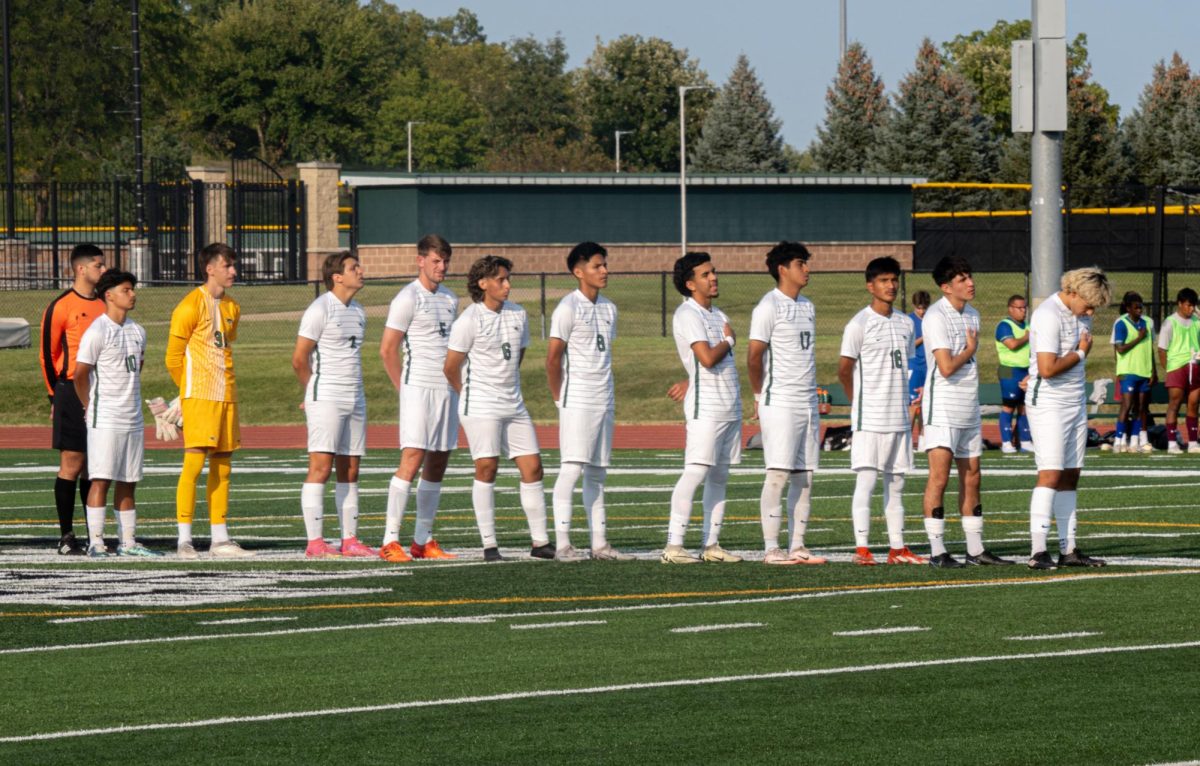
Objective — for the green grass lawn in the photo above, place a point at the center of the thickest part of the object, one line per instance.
(282, 661)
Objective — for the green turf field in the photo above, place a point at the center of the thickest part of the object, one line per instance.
(285, 661)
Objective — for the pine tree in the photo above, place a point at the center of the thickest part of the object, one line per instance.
(1149, 127)
(856, 110)
(740, 133)
(1185, 138)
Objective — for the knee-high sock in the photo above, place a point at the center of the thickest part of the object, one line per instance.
(217, 495)
(429, 493)
(398, 491)
(533, 502)
(95, 524)
(713, 503)
(860, 506)
(935, 529)
(1064, 517)
(799, 506)
(770, 513)
(483, 500)
(128, 523)
(312, 505)
(893, 508)
(346, 496)
(1006, 427)
(1041, 509)
(972, 524)
(593, 504)
(185, 491)
(1023, 430)
(681, 501)
(64, 504)
(564, 493)
(85, 488)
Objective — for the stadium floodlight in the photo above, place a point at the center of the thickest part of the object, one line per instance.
(620, 133)
(683, 91)
(409, 127)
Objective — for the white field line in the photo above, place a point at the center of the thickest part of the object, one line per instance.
(882, 631)
(590, 690)
(567, 624)
(244, 620)
(1053, 636)
(726, 626)
(100, 618)
(580, 611)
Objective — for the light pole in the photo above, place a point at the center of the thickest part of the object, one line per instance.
(683, 91)
(620, 133)
(409, 128)
(841, 31)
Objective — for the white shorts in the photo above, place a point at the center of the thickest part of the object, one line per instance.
(962, 442)
(713, 442)
(115, 455)
(790, 437)
(889, 453)
(428, 419)
(1059, 435)
(585, 436)
(488, 437)
(337, 427)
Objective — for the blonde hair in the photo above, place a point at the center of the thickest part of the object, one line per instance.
(1089, 283)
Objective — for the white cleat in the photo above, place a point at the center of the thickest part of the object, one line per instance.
(1173, 449)
(1007, 449)
(777, 557)
(677, 554)
(1193, 448)
(569, 553)
(716, 554)
(609, 553)
(229, 550)
(186, 551)
(1147, 448)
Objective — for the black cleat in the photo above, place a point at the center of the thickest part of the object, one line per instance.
(987, 558)
(492, 554)
(1042, 560)
(945, 561)
(69, 546)
(542, 551)
(1077, 559)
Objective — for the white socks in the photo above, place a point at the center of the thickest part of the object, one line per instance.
(935, 529)
(860, 505)
(799, 506)
(398, 491)
(973, 530)
(1041, 508)
(533, 502)
(312, 502)
(185, 532)
(593, 504)
(483, 500)
(893, 508)
(681, 501)
(564, 492)
(345, 495)
(713, 504)
(220, 533)
(769, 512)
(429, 494)
(95, 524)
(127, 521)
(1064, 518)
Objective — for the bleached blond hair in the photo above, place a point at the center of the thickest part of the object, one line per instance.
(1089, 283)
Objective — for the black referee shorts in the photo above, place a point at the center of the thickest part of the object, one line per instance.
(70, 426)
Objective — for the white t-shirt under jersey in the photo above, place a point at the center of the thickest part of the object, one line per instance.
(492, 341)
(951, 402)
(789, 327)
(425, 319)
(1055, 330)
(881, 347)
(116, 352)
(713, 392)
(588, 330)
(338, 329)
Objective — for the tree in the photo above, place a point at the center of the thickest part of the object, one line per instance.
(856, 112)
(1185, 139)
(740, 133)
(450, 136)
(632, 83)
(1150, 126)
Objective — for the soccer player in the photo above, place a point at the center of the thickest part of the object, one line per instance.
(1178, 347)
(108, 381)
(490, 337)
(950, 409)
(873, 370)
(579, 371)
(199, 358)
(1012, 351)
(712, 408)
(916, 365)
(783, 374)
(1133, 344)
(1060, 338)
(328, 361)
(420, 318)
(64, 322)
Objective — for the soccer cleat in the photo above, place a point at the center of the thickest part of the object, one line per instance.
(229, 550)
(1027, 446)
(186, 551)
(137, 549)
(1077, 559)
(1173, 448)
(1193, 448)
(716, 554)
(609, 553)
(987, 558)
(543, 551)
(319, 549)
(492, 554)
(430, 550)
(395, 553)
(1116, 449)
(1042, 560)
(677, 554)
(1008, 449)
(569, 554)
(777, 557)
(352, 548)
(803, 555)
(98, 551)
(863, 557)
(944, 561)
(1146, 447)
(69, 545)
(903, 556)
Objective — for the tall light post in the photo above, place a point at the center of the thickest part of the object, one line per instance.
(618, 134)
(683, 91)
(841, 31)
(409, 128)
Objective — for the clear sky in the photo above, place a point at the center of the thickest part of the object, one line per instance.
(793, 45)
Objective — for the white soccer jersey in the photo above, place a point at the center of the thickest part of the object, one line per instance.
(713, 393)
(589, 330)
(953, 401)
(790, 364)
(492, 341)
(881, 347)
(1055, 330)
(425, 319)
(338, 329)
(116, 352)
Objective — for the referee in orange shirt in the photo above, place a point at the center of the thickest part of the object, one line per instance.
(65, 321)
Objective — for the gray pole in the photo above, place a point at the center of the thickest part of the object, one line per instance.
(841, 30)
(618, 134)
(682, 173)
(139, 190)
(1049, 122)
(409, 128)
(10, 205)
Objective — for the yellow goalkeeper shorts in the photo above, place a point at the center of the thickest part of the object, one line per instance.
(211, 425)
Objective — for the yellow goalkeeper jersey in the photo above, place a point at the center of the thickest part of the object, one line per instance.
(200, 349)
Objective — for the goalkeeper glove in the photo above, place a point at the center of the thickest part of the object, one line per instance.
(166, 418)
